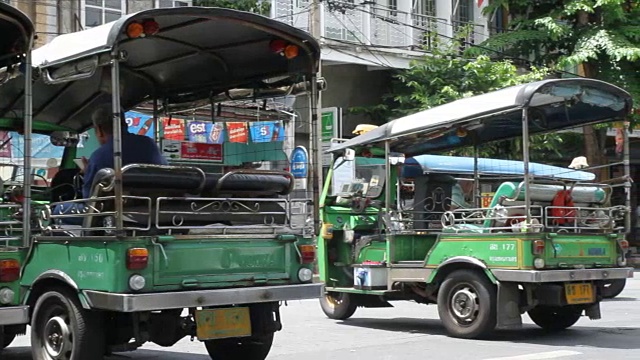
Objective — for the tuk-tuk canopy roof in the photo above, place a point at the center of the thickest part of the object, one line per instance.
(196, 54)
(425, 164)
(553, 105)
(16, 35)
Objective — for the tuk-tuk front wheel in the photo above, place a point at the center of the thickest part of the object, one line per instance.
(245, 348)
(467, 304)
(62, 329)
(6, 338)
(338, 305)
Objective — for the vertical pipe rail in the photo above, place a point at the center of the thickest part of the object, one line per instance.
(117, 138)
(525, 161)
(627, 176)
(476, 180)
(28, 122)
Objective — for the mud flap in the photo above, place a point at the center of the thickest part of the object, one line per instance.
(508, 307)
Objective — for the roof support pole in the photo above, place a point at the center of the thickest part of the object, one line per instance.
(117, 138)
(28, 124)
(525, 162)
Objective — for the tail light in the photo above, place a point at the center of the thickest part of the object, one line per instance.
(307, 253)
(291, 51)
(151, 27)
(9, 270)
(277, 46)
(135, 30)
(137, 258)
(537, 247)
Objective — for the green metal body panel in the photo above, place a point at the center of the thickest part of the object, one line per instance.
(174, 264)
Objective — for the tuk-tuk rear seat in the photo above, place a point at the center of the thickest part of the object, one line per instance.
(153, 182)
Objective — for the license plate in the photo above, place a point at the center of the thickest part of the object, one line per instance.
(579, 293)
(223, 323)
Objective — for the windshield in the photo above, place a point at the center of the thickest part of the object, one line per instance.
(359, 177)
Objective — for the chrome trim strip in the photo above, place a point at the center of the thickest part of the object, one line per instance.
(197, 298)
(542, 276)
(14, 315)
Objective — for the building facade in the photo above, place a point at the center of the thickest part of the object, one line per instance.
(361, 40)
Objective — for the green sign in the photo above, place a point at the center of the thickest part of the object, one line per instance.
(328, 126)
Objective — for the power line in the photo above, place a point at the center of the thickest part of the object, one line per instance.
(501, 53)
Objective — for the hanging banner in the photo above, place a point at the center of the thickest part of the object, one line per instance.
(216, 133)
(5, 144)
(238, 132)
(140, 124)
(266, 131)
(197, 131)
(173, 129)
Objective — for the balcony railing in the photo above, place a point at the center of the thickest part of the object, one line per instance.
(371, 24)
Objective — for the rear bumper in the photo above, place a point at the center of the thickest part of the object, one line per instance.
(197, 298)
(14, 315)
(544, 276)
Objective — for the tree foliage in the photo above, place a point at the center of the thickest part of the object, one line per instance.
(602, 35)
(255, 6)
(444, 76)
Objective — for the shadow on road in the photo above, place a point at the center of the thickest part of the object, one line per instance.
(24, 353)
(587, 336)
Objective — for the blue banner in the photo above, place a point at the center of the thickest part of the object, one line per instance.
(140, 124)
(204, 132)
(266, 131)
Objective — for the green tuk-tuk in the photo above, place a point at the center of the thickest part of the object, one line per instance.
(15, 48)
(161, 252)
(547, 242)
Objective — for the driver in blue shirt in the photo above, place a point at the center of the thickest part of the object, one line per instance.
(136, 149)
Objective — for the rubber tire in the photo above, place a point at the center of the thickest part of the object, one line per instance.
(486, 320)
(7, 339)
(555, 318)
(338, 311)
(614, 288)
(245, 348)
(86, 327)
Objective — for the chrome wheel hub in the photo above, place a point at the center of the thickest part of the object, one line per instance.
(57, 338)
(464, 305)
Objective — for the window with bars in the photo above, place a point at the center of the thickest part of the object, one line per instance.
(464, 12)
(425, 7)
(98, 12)
(172, 3)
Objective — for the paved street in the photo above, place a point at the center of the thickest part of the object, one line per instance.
(412, 332)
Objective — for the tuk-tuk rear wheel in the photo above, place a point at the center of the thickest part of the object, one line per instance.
(62, 330)
(613, 288)
(338, 305)
(553, 318)
(245, 348)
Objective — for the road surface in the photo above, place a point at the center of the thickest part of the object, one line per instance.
(413, 332)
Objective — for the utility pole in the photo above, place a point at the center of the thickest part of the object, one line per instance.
(315, 129)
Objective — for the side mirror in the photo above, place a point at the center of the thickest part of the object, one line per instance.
(349, 155)
(64, 138)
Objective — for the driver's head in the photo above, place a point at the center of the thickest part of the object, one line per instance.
(103, 123)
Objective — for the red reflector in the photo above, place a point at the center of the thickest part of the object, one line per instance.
(538, 247)
(137, 258)
(9, 270)
(624, 244)
(307, 253)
